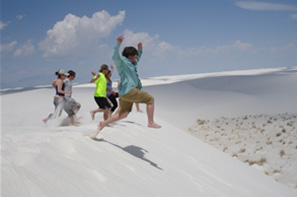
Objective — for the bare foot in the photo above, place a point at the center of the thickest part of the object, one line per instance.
(140, 111)
(92, 135)
(154, 125)
(101, 126)
(92, 115)
(44, 120)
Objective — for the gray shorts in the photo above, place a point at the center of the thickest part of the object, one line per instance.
(71, 106)
(59, 106)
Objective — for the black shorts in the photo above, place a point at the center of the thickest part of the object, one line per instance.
(102, 102)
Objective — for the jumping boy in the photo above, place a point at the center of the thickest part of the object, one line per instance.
(130, 88)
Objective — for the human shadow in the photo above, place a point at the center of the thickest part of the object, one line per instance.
(122, 123)
(132, 122)
(135, 151)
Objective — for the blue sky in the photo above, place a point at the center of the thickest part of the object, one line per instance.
(179, 37)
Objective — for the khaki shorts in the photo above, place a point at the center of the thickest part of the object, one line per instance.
(134, 96)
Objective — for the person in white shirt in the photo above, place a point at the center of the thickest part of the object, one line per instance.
(71, 106)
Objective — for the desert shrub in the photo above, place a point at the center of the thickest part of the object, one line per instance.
(276, 171)
(290, 124)
(200, 122)
(260, 162)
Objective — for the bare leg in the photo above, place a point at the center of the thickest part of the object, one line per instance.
(114, 118)
(72, 121)
(150, 114)
(76, 110)
(106, 114)
(93, 112)
(138, 108)
(45, 120)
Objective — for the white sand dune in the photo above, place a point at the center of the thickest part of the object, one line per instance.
(56, 159)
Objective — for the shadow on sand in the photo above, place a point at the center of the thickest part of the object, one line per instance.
(133, 150)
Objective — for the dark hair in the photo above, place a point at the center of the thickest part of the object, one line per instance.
(109, 71)
(129, 51)
(103, 67)
(71, 73)
(58, 75)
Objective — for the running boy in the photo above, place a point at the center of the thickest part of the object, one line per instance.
(100, 93)
(130, 88)
(71, 106)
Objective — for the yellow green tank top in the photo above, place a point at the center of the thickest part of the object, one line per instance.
(100, 86)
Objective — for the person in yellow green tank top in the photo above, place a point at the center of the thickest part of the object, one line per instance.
(100, 93)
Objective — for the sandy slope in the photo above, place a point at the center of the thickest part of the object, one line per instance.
(57, 160)
(266, 142)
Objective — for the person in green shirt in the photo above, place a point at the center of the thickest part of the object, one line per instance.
(100, 93)
(130, 90)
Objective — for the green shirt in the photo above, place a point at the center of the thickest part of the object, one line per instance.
(127, 71)
(100, 86)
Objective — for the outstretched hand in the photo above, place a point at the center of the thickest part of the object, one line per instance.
(120, 39)
(140, 47)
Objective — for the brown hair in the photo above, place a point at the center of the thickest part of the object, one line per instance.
(103, 67)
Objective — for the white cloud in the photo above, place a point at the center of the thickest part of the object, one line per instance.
(20, 17)
(132, 39)
(294, 16)
(237, 46)
(73, 35)
(3, 25)
(289, 48)
(8, 47)
(158, 49)
(166, 47)
(151, 44)
(163, 57)
(25, 50)
(262, 6)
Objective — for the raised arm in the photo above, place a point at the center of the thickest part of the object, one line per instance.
(120, 39)
(116, 54)
(95, 78)
(111, 69)
(140, 47)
